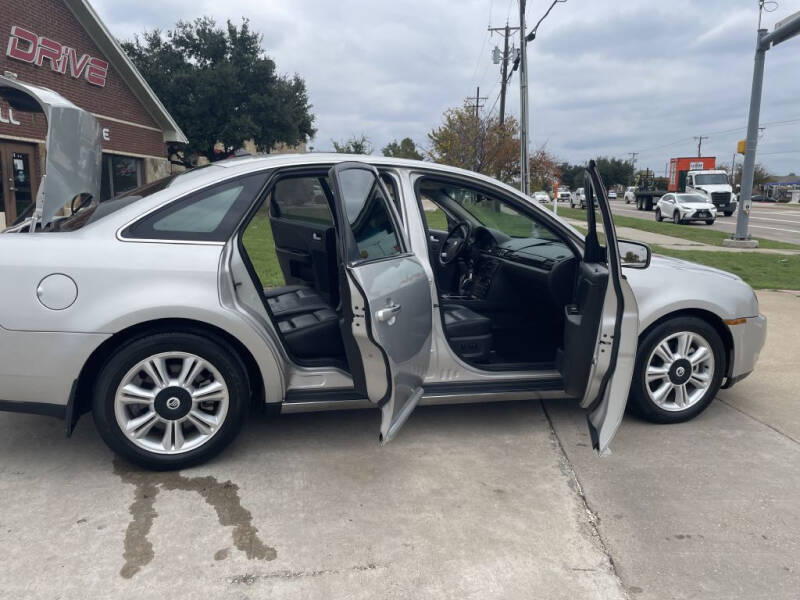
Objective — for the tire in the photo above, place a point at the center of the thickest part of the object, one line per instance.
(709, 221)
(676, 217)
(728, 214)
(218, 419)
(659, 218)
(642, 396)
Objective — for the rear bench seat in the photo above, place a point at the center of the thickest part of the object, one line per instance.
(309, 326)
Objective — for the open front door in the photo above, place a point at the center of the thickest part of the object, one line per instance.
(385, 297)
(601, 324)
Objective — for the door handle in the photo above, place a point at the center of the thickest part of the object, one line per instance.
(388, 314)
(433, 238)
(316, 237)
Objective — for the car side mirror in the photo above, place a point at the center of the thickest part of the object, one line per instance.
(634, 254)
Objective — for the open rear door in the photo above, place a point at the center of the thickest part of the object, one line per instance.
(601, 324)
(385, 296)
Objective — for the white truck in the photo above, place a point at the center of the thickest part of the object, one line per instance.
(715, 187)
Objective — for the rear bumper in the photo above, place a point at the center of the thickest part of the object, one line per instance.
(748, 340)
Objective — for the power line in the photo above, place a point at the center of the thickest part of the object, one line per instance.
(700, 139)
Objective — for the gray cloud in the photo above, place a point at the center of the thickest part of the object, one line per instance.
(607, 77)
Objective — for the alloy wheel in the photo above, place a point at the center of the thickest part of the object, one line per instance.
(680, 370)
(170, 403)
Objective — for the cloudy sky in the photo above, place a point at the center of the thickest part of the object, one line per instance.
(607, 77)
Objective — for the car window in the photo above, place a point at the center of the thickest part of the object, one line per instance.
(691, 198)
(366, 207)
(208, 215)
(490, 211)
(301, 198)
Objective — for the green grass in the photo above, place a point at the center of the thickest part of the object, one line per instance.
(695, 233)
(436, 219)
(260, 248)
(760, 270)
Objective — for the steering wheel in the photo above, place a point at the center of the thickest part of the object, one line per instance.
(454, 243)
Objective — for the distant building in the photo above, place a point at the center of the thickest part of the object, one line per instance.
(782, 189)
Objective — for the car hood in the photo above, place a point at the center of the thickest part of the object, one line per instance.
(697, 205)
(659, 261)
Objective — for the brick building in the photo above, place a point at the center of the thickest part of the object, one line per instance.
(64, 46)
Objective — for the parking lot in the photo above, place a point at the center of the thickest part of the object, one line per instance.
(780, 222)
(476, 501)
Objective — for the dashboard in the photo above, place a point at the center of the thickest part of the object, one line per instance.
(535, 264)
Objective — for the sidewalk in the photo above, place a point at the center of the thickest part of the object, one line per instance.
(675, 243)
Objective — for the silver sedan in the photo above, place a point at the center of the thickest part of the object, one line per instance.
(318, 282)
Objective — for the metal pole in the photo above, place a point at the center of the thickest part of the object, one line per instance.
(523, 101)
(748, 168)
(503, 81)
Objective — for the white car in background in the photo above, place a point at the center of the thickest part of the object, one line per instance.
(564, 195)
(541, 197)
(684, 208)
(612, 195)
(630, 194)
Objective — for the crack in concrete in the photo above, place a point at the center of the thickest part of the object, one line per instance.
(757, 420)
(223, 497)
(568, 470)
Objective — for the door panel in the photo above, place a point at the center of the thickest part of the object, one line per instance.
(601, 325)
(387, 320)
(19, 181)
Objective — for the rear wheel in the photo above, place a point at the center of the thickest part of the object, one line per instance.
(679, 369)
(728, 214)
(170, 400)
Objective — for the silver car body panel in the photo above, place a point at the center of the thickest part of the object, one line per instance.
(123, 282)
(73, 164)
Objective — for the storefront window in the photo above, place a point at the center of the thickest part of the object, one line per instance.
(120, 174)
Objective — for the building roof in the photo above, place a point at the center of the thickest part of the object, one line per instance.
(117, 58)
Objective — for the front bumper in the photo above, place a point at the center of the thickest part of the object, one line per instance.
(748, 340)
(704, 215)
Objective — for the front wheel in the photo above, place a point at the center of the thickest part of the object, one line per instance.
(659, 218)
(170, 400)
(676, 217)
(709, 221)
(679, 369)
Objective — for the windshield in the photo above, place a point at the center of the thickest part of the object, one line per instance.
(711, 179)
(691, 199)
(490, 212)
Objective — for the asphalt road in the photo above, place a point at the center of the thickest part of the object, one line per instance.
(770, 221)
(477, 501)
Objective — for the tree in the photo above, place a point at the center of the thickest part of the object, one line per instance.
(543, 168)
(221, 88)
(355, 145)
(760, 173)
(614, 171)
(480, 144)
(405, 149)
(571, 175)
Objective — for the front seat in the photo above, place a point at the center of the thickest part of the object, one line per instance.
(469, 334)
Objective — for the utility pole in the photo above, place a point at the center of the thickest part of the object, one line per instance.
(633, 156)
(700, 139)
(478, 102)
(524, 182)
(784, 30)
(524, 38)
(503, 61)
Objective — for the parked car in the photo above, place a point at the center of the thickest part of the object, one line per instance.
(612, 195)
(541, 197)
(317, 282)
(684, 208)
(578, 199)
(630, 194)
(564, 195)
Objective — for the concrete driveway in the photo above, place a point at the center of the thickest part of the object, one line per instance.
(494, 501)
